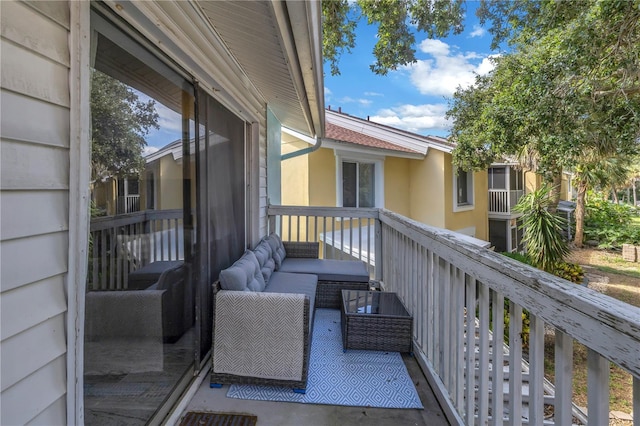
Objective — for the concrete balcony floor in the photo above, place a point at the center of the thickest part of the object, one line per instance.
(294, 414)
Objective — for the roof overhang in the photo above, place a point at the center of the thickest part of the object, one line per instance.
(250, 54)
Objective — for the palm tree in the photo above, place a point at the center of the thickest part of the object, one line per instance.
(542, 229)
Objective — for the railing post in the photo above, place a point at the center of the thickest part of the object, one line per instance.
(597, 388)
(378, 249)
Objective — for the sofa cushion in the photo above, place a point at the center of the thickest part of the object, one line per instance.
(277, 247)
(328, 269)
(283, 282)
(243, 275)
(264, 254)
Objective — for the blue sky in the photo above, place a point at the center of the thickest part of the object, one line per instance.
(414, 97)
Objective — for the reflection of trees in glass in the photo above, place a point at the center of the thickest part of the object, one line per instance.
(119, 123)
(349, 180)
(358, 184)
(366, 195)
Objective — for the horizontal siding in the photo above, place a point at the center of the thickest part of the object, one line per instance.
(22, 215)
(34, 210)
(30, 29)
(31, 350)
(57, 11)
(32, 166)
(27, 260)
(48, 123)
(33, 75)
(27, 306)
(51, 415)
(28, 398)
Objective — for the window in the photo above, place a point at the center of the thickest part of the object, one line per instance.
(359, 182)
(497, 178)
(463, 191)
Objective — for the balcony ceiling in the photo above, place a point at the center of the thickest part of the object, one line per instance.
(277, 46)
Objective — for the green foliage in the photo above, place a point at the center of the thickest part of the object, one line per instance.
(542, 230)
(569, 271)
(338, 28)
(567, 95)
(396, 21)
(519, 257)
(609, 224)
(119, 122)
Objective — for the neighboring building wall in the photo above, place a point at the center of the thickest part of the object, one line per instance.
(35, 211)
(322, 178)
(532, 181)
(426, 189)
(397, 185)
(295, 173)
(478, 217)
(169, 184)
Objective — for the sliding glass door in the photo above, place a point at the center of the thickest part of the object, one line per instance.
(140, 329)
(168, 212)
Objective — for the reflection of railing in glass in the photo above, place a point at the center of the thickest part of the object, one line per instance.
(128, 204)
(122, 244)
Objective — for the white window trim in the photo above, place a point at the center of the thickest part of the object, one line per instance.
(470, 192)
(378, 163)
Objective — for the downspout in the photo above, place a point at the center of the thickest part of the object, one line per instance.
(316, 146)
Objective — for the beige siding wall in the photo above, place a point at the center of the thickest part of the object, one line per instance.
(34, 200)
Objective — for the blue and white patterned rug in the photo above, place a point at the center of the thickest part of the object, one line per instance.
(354, 378)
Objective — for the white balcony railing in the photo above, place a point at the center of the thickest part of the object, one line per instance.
(503, 200)
(453, 288)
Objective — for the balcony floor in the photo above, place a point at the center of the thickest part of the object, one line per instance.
(287, 413)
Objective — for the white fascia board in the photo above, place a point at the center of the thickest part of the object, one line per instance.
(306, 28)
(298, 135)
(397, 137)
(368, 151)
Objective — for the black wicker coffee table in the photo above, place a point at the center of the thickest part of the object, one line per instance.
(375, 320)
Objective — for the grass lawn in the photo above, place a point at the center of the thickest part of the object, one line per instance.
(611, 275)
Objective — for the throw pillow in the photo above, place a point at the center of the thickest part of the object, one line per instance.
(277, 247)
(243, 275)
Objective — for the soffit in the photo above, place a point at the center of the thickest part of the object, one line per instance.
(249, 30)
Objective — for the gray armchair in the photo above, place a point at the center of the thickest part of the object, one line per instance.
(164, 310)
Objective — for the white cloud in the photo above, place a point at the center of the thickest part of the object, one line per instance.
(327, 91)
(350, 100)
(478, 31)
(414, 118)
(168, 119)
(448, 69)
(149, 150)
(373, 94)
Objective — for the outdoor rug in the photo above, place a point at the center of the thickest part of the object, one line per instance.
(194, 418)
(355, 378)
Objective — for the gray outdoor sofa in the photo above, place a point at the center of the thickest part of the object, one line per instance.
(263, 311)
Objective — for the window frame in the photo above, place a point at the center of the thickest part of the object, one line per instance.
(470, 204)
(378, 172)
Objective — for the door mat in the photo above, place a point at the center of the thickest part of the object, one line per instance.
(194, 418)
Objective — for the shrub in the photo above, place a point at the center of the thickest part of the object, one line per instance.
(609, 224)
(569, 271)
